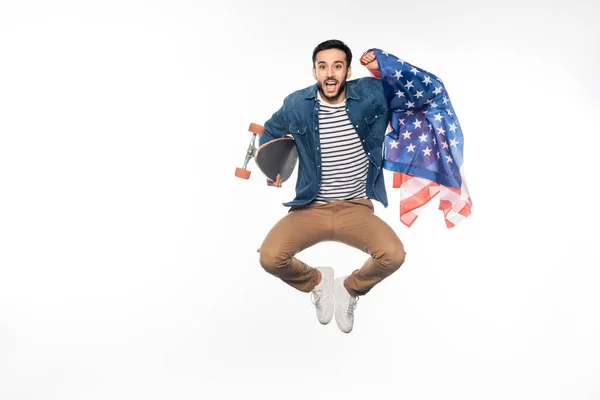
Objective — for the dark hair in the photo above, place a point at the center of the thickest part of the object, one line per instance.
(333, 44)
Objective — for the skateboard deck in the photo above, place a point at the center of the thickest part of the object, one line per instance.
(276, 157)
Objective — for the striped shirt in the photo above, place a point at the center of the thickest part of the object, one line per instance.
(344, 164)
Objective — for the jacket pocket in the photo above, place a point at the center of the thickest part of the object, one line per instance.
(377, 121)
(296, 129)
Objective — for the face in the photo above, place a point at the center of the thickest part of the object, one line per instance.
(330, 71)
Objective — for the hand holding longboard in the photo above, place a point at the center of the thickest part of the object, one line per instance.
(276, 158)
(277, 182)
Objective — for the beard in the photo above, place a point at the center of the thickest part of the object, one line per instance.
(342, 86)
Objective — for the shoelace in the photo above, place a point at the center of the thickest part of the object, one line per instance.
(316, 297)
(352, 304)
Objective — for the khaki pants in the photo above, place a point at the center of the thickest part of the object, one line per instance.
(351, 222)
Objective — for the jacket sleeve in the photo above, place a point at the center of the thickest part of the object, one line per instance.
(408, 87)
(275, 127)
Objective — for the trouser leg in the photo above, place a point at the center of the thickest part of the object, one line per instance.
(356, 224)
(298, 230)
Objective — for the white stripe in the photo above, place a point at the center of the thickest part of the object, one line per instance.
(344, 165)
(455, 217)
(413, 186)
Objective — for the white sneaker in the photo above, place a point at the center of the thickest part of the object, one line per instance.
(322, 296)
(345, 304)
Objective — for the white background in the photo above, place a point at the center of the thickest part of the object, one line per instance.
(128, 264)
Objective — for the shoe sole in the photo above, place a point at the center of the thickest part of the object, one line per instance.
(330, 274)
(338, 293)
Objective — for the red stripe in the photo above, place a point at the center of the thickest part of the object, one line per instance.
(397, 180)
(461, 207)
(423, 196)
(418, 199)
(408, 219)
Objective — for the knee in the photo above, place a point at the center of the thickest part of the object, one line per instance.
(394, 259)
(271, 260)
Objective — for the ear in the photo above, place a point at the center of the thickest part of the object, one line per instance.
(315, 73)
(349, 73)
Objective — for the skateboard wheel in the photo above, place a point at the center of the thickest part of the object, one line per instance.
(258, 129)
(242, 173)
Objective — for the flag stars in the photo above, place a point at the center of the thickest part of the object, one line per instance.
(421, 106)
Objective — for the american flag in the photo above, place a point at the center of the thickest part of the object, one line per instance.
(424, 142)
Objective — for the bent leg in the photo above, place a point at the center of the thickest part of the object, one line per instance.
(357, 225)
(298, 230)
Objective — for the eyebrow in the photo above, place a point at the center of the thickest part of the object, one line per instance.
(335, 62)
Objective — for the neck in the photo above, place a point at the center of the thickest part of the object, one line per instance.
(336, 100)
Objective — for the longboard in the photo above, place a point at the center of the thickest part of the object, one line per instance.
(276, 157)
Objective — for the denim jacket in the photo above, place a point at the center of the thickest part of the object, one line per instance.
(367, 109)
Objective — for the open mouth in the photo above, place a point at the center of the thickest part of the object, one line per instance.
(330, 85)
